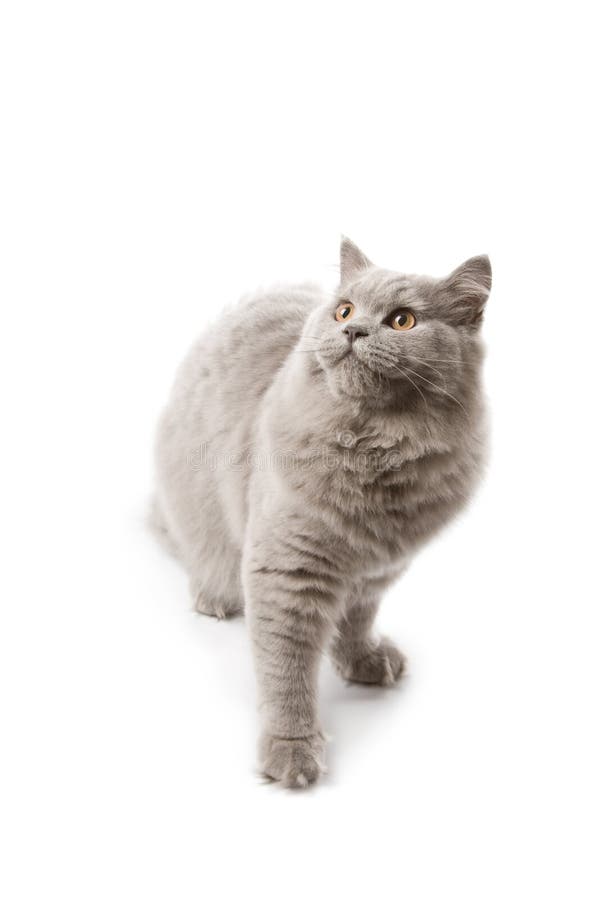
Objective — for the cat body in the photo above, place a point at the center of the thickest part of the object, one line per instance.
(310, 447)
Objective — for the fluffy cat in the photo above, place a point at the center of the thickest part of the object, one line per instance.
(312, 444)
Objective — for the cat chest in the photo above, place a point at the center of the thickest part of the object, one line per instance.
(398, 505)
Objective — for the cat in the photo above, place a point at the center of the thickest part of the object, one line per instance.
(311, 445)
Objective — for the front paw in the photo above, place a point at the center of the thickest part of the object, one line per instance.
(295, 762)
(381, 664)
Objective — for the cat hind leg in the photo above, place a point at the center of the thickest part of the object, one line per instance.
(357, 654)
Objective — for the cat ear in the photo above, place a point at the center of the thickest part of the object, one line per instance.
(352, 260)
(468, 288)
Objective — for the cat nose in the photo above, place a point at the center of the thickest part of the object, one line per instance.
(355, 331)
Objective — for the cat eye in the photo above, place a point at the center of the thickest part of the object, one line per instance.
(403, 320)
(344, 312)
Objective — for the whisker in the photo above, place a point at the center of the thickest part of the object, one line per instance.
(379, 355)
(442, 360)
(414, 384)
(405, 369)
(438, 388)
(429, 366)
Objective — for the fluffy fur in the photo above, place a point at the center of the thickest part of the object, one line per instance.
(298, 472)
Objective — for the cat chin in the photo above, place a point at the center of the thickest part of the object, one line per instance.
(350, 378)
(359, 371)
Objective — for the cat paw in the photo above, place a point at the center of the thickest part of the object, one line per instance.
(295, 762)
(382, 665)
(220, 609)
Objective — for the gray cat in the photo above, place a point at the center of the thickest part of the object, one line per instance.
(311, 445)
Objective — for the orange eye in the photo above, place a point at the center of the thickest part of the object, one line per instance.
(344, 312)
(403, 320)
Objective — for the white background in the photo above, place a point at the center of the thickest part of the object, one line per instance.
(157, 160)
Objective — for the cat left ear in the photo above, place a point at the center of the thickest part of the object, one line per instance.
(352, 261)
(468, 288)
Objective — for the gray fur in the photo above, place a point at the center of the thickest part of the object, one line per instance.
(298, 473)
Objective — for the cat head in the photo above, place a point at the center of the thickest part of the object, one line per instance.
(388, 337)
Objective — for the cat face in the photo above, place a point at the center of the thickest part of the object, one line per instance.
(387, 336)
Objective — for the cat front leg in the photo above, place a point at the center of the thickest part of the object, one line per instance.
(356, 652)
(291, 607)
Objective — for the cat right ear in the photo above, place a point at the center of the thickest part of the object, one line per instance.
(468, 288)
(352, 261)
